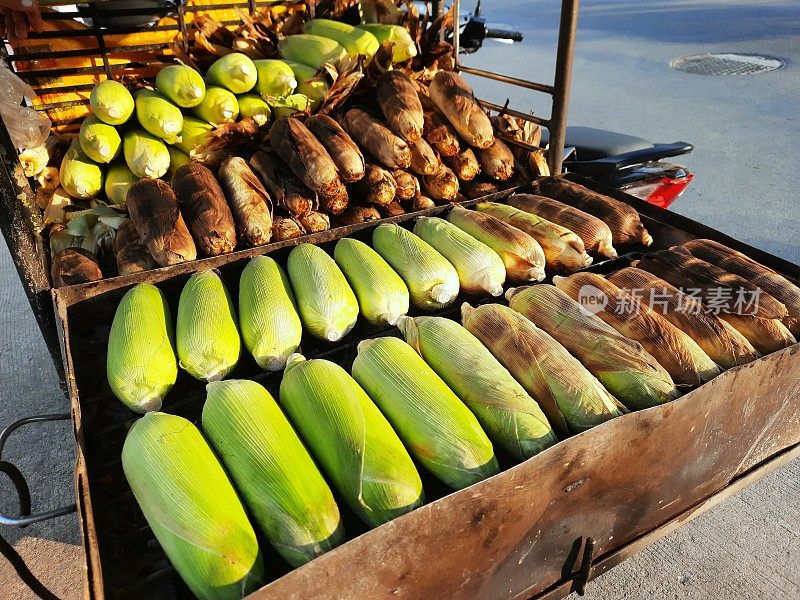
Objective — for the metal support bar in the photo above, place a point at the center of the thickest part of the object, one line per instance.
(514, 113)
(563, 79)
(523, 83)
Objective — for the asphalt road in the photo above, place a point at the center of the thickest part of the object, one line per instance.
(745, 130)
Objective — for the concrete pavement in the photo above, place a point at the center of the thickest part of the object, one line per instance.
(745, 130)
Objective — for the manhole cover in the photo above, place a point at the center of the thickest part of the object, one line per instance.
(725, 64)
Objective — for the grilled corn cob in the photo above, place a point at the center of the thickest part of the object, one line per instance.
(278, 481)
(509, 415)
(327, 305)
(679, 354)
(564, 251)
(382, 295)
(341, 147)
(249, 201)
(522, 255)
(497, 161)
(571, 397)
(432, 281)
(140, 364)
(442, 185)
(480, 269)
(454, 98)
(399, 102)
(354, 443)
(374, 137)
(622, 365)
(596, 235)
(464, 164)
(625, 223)
(726, 346)
(439, 431)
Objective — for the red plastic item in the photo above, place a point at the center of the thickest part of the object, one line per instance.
(663, 191)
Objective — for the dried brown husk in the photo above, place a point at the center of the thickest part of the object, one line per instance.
(229, 139)
(131, 254)
(315, 221)
(715, 285)
(423, 159)
(358, 214)
(537, 164)
(678, 353)
(250, 203)
(518, 129)
(421, 203)
(775, 284)
(622, 365)
(202, 202)
(464, 164)
(342, 149)
(564, 249)
(724, 344)
(407, 185)
(443, 185)
(478, 189)
(153, 208)
(522, 255)
(437, 130)
(393, 209)
(308, 159)
(625, 223)
(596, 235)
(399, 102)
(286, 191)
(569, 395)
(376, 187)
(73, 266)
(454, 98)
(286, 228)
(496, 161)
(376, 138)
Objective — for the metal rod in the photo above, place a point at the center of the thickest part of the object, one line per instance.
(524, 83)
(563, 79)
(456, 32)
(514, 113)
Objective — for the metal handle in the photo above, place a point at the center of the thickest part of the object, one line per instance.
(503, 34)
(18, 479)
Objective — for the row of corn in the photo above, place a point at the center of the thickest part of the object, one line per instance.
(471, 251)
(520, 376)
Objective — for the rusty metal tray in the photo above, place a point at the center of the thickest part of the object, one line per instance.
(538, 529)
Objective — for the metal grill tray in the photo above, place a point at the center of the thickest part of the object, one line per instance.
(540, 528)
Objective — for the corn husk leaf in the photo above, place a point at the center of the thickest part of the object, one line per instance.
(766, 335)
(327, 305)
(522, 255)
(596, 235)
(678, 353)
(279, 483)
(436, 427)
(432, 281)
(726, 346)
(382, 295)
(622, 365)
(352, 441)
(509, 415)
(564, 254)
(480, 269)
(140, 364)
(311, 50)
(571, 397)
(192, 507)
